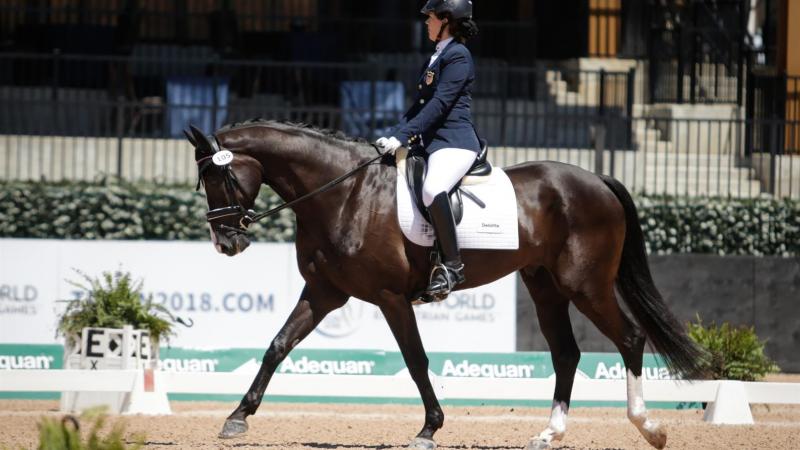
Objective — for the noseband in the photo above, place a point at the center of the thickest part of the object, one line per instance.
(232, 185)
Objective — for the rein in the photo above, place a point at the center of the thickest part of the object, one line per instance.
(248, 216)
(327, 186)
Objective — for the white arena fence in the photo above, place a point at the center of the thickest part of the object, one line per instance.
(728, 400)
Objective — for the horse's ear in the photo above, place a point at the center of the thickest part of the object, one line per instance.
(198, 135)
(190, 138)
(202, 144)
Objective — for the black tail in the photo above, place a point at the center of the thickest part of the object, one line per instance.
(635, 284)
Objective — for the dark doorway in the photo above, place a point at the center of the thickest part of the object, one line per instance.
(562, 28)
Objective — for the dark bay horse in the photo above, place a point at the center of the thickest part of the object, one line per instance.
(579, 237)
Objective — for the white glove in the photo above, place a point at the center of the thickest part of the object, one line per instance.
(389, 144)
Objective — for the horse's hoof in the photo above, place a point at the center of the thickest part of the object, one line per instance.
(657, 438)
(233, 428)
(538, 444)
(422, 444)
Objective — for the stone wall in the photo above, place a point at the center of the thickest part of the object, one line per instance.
(742, 290)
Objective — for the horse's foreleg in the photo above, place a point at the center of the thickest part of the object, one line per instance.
(400, 316)
(314, 304)
(552, 310)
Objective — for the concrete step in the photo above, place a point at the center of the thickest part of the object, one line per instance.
(647, 135)
(586, 95)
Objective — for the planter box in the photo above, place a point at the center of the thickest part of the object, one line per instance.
(106, 349)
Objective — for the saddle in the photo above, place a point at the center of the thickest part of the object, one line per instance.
(415, 162)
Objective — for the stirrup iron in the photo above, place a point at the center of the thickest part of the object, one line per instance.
(441, 267)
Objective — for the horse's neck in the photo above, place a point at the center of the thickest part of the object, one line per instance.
(298, 164)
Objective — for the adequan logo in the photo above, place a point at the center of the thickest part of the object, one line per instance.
(618, 372)
(466, 368)
(188, 365)
(305, 365)
(14, 362)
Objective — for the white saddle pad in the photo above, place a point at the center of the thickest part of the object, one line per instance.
(493, 227)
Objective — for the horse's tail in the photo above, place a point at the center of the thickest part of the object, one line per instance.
(635, 284)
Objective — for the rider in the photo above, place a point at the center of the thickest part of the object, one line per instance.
(440, 122)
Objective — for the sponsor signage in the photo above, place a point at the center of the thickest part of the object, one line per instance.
(600, 366)
(358, 362)
(238, 302)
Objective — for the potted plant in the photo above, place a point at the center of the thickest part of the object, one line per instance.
(734, 353)
(110, 325)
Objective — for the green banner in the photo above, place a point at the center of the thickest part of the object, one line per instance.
(26, 356)
(355, 362)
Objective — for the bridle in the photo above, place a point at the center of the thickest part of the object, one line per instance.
(231, 186)
(248, 216)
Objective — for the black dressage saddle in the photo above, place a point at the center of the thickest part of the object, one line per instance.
(415, 175)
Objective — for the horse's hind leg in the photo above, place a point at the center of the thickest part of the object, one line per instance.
(314, 304)
(552, 309)
(601, 307)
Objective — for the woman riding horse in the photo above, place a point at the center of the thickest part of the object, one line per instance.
(580, 241)
(439, 121)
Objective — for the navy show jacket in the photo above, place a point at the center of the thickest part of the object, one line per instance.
(440, 115)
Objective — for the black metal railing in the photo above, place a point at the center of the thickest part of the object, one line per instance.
(698, 52)
(682, 157)
(67, 116)
(687, 68)
(147, 97)
(773, 102)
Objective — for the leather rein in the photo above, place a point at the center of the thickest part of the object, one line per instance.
(249, 216)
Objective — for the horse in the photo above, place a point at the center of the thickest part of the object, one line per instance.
(579, 238)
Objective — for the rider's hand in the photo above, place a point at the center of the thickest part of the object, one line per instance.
(389, 145)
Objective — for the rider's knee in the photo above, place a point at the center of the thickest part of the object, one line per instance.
(429, 193)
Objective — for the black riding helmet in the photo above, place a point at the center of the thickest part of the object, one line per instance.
(458, 9)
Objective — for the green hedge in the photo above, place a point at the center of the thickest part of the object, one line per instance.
(761, 226)
(107, 210)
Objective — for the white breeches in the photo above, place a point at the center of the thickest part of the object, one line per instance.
(445, 168)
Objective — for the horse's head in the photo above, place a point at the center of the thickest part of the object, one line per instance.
(231, 181)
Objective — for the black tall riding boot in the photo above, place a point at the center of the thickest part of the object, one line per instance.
(446, 276)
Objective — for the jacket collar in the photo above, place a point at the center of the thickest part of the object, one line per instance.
(440, 46)
(445, 45)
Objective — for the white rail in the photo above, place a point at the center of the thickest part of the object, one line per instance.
(729, 396)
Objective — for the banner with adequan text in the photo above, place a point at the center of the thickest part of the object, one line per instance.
(597, 366)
